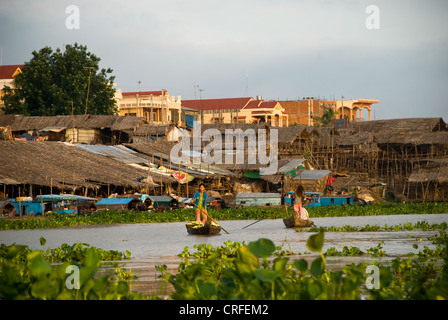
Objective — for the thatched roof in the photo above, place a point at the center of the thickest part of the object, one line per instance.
(118, 123)
(60, 164)
(323, 136)
(125, 123)
(367, 135)
(402, 126)
(439, 175)
(146, 130)
(349, 139)
(412, 138)
(289, 134)
(21, 123)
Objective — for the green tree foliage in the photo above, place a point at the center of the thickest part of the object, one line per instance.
(54, 82)
(326, 119)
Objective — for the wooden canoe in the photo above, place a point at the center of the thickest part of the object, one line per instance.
(198, 228)
(298, 223)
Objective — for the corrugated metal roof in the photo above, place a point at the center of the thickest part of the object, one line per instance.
(291, 165)
(258, 195)
(62, 197)
(119, 153)
(312, 174)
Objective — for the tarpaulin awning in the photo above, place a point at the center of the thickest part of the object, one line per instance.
(114, 201)
(53, 129)
(252, 174)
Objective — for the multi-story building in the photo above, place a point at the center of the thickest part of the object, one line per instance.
(158, 107)
(239, 110)
(305, 111)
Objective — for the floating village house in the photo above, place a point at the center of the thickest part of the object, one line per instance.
(258, 199)
(406, 157)
(87, 129)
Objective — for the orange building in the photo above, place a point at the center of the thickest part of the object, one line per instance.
(239, 110)
(304, 111)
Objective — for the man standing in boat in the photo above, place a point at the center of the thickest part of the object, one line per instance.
(200, 201)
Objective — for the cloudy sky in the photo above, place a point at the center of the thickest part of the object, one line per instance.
(281, 50)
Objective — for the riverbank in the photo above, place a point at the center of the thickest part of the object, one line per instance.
(182, 215)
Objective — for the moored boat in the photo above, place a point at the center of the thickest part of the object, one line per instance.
(298, 223)
(198, 228)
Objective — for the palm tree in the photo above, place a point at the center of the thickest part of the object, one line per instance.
(327, 117)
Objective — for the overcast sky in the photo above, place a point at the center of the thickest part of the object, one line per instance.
(281, 50)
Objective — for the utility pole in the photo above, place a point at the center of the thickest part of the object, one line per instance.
(202, 110)
(194, 87)
(298, 110)
(152, 114)
(138, 104)
(310, 100)
(164, 111)
(88, 86)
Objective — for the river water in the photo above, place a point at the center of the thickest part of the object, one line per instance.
(154, 244)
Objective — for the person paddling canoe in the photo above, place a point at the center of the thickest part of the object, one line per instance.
(200, 201)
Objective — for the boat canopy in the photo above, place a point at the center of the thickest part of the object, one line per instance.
(63, 197)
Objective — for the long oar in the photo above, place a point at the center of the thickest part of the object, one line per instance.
(202, 210)
(263, 218)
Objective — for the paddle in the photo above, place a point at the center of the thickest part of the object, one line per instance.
(264, 218)
(210, 218)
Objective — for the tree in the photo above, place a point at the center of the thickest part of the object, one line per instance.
(54, 82)
(328, 116)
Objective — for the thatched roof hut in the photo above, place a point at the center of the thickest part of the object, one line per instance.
(63, 166)
(19, 123)
(287, 135)
(150, 133)
(122, 128)
(400, 125)
(439, 175)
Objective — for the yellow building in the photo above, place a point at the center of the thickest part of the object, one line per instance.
(353, 108)
(157, 107)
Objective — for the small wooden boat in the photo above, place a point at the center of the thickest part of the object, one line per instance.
(298, 223)
(198, 228)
